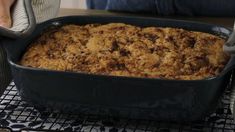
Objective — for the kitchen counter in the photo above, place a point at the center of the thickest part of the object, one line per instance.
(224, 21)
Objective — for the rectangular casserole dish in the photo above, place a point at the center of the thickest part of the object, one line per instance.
(127, 97)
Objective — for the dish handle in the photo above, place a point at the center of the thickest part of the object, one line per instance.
(5, 72)
(229, 46)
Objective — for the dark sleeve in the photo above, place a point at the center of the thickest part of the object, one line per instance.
(169, 7)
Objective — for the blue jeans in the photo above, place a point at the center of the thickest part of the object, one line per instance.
(168, 7)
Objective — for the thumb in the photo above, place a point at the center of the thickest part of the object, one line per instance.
(5, 15)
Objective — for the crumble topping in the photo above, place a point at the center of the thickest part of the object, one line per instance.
(125, 50)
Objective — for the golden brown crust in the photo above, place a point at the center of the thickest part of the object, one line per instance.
(125, 50)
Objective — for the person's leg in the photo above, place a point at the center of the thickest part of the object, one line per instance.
(5, 16)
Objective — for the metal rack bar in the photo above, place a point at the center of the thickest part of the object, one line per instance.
(11, 106)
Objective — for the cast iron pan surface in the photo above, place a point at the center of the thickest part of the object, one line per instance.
(127, 97)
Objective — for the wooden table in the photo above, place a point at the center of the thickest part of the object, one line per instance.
(224, 21)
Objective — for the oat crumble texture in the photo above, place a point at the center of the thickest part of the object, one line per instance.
(125, 50)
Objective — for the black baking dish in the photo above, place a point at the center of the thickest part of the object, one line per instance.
(139, 98)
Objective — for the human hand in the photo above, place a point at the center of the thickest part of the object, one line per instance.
(5, 15)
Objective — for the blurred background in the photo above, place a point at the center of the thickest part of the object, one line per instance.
(80, 4)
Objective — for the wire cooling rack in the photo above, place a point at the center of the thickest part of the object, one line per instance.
(17, 115)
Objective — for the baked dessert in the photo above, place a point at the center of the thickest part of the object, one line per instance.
(125, 50)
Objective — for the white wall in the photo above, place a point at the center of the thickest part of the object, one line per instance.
(81, 4)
